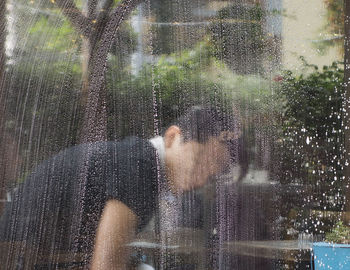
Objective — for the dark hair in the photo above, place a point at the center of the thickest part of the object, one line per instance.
(200, 123)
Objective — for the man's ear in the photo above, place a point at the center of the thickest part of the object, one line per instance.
(170, 135)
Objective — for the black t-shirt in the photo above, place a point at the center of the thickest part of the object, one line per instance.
(59, 204)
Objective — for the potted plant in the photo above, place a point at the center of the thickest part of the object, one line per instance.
(334, 252)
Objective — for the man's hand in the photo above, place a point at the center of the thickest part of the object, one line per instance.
(116, 228)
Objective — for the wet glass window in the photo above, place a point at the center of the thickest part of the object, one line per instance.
(171, 135)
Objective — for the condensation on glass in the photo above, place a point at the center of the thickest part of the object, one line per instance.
(167, 134)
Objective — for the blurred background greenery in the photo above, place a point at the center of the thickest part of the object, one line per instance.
(291, 119)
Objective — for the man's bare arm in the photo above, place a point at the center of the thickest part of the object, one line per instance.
(116, 228)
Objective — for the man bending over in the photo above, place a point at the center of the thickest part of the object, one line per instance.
(92, 198)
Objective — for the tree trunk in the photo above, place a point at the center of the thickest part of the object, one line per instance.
(99, 31)
(347, 107)
(95, 117)
(89, 11)
(98, 131)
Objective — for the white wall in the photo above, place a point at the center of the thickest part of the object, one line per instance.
(303, 23)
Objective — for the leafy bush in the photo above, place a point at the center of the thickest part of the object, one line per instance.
(164, 90)
(340, 234)
(312, 125)
(239, 37)
(311, 145)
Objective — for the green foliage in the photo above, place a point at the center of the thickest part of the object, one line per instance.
(340, 234)
(54, 35)
(243, 12)
(44, 87)
(48, 108)
(311, 144)
(164, 90)
(253, 94)
(239, 37)
(312, 123)
(314, 101)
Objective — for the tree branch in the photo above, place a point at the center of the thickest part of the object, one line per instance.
(91, 8)
(101, 21)
(76, 17)
(91, 128)
(116, 17)
(104, 10)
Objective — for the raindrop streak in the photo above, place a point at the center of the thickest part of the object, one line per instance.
(199, 134)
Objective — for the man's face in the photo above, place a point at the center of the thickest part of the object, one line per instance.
(190, 164)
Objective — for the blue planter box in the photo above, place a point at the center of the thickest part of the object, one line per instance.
(331, 256)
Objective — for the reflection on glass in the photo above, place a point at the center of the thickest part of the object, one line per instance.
(172, 134)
